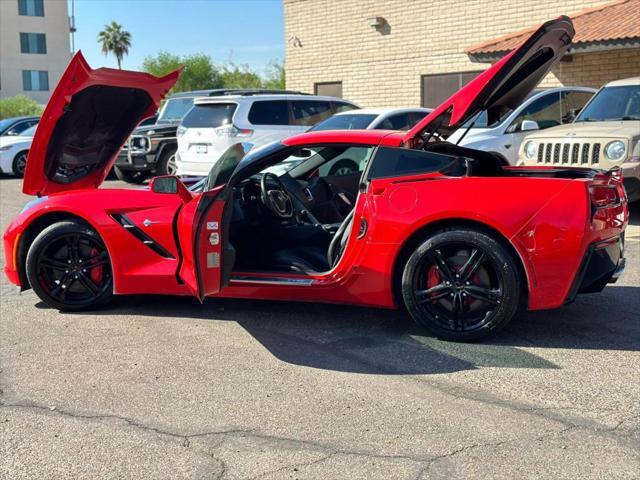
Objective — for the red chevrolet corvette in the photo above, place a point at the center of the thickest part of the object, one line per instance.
(448, 232)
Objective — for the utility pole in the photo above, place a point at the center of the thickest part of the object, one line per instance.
(72, 27)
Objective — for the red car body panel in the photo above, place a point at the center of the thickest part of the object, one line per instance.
(550, 223)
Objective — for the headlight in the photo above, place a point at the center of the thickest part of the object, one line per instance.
(530, 149)
(615, 150)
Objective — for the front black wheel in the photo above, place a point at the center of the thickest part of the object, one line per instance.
(461, 284)
(68, 267)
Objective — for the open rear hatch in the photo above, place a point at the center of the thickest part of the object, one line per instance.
(503, 86)
(90, 115)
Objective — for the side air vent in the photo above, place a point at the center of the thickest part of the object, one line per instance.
(134, 230)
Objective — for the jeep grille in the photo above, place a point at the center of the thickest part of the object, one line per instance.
(568, 153)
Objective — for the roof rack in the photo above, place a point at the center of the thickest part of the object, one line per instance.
(219, 92)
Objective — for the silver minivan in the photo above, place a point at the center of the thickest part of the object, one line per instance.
(504, 134)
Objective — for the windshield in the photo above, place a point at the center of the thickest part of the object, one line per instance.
(174, 109)
(613, 103)
(226, 164)
(6, 123)
(209, 115)
(345, 122)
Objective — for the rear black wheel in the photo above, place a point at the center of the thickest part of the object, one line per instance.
(20, 164)
(68, 267)
(461, 285)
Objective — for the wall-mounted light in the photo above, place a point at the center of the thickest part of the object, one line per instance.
(295, 41)
(380, 24)
(376, 22)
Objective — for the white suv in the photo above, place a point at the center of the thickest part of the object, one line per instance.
(216, 123)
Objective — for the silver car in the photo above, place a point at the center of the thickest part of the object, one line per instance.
(542, 109)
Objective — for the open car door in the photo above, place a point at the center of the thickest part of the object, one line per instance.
(207, 258)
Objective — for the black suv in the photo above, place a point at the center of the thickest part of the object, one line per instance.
(151, 148)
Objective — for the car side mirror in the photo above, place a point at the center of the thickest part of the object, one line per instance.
(528, 125)
(12, 133)
(165, 184)
(169, 184)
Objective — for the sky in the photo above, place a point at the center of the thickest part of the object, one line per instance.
(245, 31)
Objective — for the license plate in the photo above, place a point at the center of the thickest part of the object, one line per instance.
(201, 149)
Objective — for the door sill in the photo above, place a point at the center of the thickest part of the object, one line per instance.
(255, 279)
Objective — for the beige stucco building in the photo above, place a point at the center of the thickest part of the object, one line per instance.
(381, 53)
(34, 47)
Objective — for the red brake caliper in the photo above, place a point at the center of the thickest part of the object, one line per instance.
(96, 272)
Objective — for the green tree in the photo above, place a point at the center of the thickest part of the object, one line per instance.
(115, 40)
(274, 78)
(18, 106)
(240, 76)
(199, 71)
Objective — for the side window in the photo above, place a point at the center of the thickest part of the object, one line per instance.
(394, 162)
(353, 160)
(269, 112)
(343, 107)
(400, 121)
(18, 128)
(310, 112)
(415, 117)
(545, 112)
(572, 103)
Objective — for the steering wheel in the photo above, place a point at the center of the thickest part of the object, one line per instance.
(276, 199)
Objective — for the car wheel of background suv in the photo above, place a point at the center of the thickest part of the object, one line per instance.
(130, 176)
(20, 163)
(461, 284)
(167, 163)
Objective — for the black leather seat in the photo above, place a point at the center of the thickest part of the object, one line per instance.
(314, 259)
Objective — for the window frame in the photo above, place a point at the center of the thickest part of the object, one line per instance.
(23, 8)
(25, 41)
(41, 74)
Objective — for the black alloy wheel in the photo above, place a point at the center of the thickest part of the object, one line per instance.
(19, 164)
(461, 285)
(68, 267)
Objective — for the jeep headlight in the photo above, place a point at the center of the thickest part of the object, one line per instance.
(615, 150)
(530, 149)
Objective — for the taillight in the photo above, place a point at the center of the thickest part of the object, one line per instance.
(233, 131)
(603, 196)
(181, 130)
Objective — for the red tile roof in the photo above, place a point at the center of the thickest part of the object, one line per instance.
(614, 21)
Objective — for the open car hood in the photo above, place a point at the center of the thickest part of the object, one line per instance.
(503, 86)
(89, 117)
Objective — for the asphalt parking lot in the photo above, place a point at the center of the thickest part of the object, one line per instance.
(162, 387)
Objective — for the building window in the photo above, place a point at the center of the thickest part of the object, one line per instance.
(437, 88)
(31, 8)
(33, 43)
(35, 80)
(328, 89)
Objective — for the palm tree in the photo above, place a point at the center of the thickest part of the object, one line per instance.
(115, 40)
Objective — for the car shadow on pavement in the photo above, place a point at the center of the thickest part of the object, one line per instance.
(363, 340)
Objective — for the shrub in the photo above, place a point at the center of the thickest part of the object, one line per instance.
(19, 106)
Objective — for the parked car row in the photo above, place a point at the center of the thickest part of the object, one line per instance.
(556, 126)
